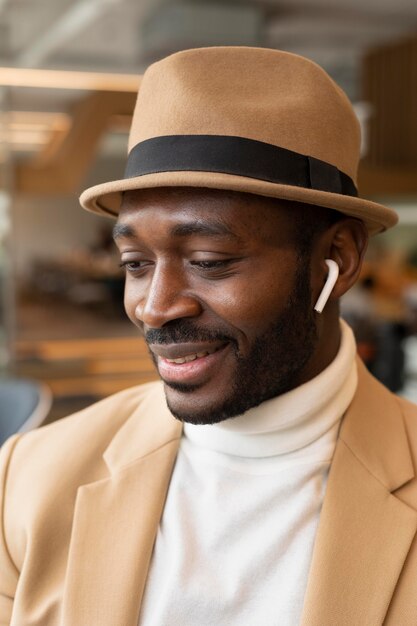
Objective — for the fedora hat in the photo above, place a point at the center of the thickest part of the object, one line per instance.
(253, 120)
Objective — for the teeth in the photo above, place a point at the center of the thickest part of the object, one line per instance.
(191, 357)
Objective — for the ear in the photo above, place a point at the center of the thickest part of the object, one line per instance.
(344, 242)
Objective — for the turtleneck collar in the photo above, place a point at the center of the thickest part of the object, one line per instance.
(291, 421)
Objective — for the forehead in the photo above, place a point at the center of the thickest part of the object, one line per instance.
(225, 213)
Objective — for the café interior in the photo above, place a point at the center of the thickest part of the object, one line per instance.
(69, 74)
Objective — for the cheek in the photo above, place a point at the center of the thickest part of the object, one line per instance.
(250, 306)
(131, 300)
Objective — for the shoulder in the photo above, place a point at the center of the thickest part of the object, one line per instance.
(86, 431)
(69, 452)
(408, 492)
(408, 408)
(409, 412)
(41, 471)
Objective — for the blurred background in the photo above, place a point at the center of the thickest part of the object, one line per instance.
(68, 78)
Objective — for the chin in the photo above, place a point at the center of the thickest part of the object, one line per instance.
(189, 408)
(186, 408)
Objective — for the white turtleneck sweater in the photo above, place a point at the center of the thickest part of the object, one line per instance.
(235, 541)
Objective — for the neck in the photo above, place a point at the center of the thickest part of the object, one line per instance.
(329, 339)
(291, 421)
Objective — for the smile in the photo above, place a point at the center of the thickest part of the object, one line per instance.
(192, 357)
(188, 362)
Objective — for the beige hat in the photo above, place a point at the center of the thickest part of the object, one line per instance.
(246, 119)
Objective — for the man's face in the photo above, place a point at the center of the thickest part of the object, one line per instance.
(217, 286)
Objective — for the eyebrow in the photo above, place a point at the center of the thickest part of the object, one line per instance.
(197, 227)
(204, 228)
(122, 230)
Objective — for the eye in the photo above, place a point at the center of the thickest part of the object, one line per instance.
(209, 265)
(134, 266)
(215, 268)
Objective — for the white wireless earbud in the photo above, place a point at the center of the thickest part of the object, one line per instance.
(328, 286)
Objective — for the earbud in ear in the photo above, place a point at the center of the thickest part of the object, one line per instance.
(328, 286)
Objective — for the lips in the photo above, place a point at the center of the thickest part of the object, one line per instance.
(191, 357)
(193, 363)
(175, 351)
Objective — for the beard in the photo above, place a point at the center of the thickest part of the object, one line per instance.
(273, 366)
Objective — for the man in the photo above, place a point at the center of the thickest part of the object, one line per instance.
(289, 497)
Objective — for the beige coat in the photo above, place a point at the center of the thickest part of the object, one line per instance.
(82, 499)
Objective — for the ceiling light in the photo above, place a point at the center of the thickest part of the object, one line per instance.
(59, 79)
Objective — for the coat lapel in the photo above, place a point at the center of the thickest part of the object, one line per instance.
(365, 531)
(116, 520)
(363, 538)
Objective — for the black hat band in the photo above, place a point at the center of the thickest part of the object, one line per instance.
(236, 156)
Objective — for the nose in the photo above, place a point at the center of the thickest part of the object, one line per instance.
(166, 298)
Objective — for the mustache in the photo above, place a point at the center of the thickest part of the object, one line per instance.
(183, 331)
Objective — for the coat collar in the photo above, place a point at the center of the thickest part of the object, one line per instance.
(365, 530)
(116, 519)
(150, 427)
(364, 534)
(374, 430)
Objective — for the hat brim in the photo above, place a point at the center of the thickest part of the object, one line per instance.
(105, 199)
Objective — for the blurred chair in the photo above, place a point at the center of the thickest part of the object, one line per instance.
(24, 405)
